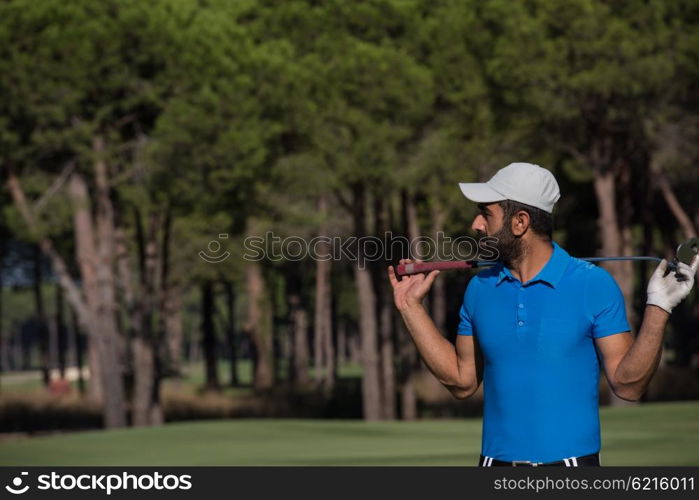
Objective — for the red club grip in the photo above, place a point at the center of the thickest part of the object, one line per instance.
(426, 267)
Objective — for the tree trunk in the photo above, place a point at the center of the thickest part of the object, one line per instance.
(681, 216)
(170, 334)
(324, 355)
(52, 347)
(153, 295)
(231, 337)
(329, 346)
(385, 313)
(612, 232)
(209, 336)
(95, 387)
(111, 359)
(342, 349)
(146, 388)
(3, 344)
(648, 223)
(354, 345)
(689, 231)
(281, 347)
(409, 357)
(259, 327)
(368, 331)
(144, 374)
(41, 316)
(86, 258)
(174, 335)
(407, 389)
(368, 327)
(78, 346)
(61, 335)
(299, 357)
(439, 287)
(322, 273)
(625, 218)
(614, 242)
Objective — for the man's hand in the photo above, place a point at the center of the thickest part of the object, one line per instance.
(668, 291)
(411, 290)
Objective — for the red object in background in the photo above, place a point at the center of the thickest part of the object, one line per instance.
(59, 387)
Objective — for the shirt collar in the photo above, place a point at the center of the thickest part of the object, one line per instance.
(551, 273)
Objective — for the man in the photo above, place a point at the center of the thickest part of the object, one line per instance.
(536, 327)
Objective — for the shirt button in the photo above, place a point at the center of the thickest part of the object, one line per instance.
(521, 306)
(520, 323)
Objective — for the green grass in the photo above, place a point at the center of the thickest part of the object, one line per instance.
(649, 434)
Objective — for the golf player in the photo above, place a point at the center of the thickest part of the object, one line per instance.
(537, 327)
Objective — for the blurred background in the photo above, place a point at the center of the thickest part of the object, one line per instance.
(141, 143)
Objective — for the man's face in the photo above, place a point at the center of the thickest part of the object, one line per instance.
(490, 221)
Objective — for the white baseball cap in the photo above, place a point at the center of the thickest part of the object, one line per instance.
(523, 182)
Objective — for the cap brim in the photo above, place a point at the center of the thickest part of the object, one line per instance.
(480, 192)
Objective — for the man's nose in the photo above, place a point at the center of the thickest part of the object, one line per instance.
(479, 224)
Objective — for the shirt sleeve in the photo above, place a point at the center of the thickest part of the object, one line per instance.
(605, 304)
(466, 312)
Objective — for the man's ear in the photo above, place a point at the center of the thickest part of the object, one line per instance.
(520, 223)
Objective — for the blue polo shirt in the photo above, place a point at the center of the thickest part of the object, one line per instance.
(541, 371)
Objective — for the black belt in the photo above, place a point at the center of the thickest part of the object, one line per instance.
(587, 460)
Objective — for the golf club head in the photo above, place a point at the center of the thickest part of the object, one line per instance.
(686, 253)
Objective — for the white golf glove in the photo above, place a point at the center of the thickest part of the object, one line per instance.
(668, 291)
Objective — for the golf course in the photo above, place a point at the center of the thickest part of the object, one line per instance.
(348, 234)
(647, 434)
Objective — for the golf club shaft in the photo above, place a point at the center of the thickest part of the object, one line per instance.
(426, 267)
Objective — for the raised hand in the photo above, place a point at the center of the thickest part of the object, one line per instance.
(666, 290)
(410, 290)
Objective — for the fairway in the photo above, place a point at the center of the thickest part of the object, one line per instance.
(649, 434)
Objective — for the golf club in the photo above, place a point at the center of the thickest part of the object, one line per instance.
(686, 253)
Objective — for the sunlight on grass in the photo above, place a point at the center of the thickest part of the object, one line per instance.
(649, 434)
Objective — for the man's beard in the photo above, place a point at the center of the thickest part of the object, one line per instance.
(509, 247)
